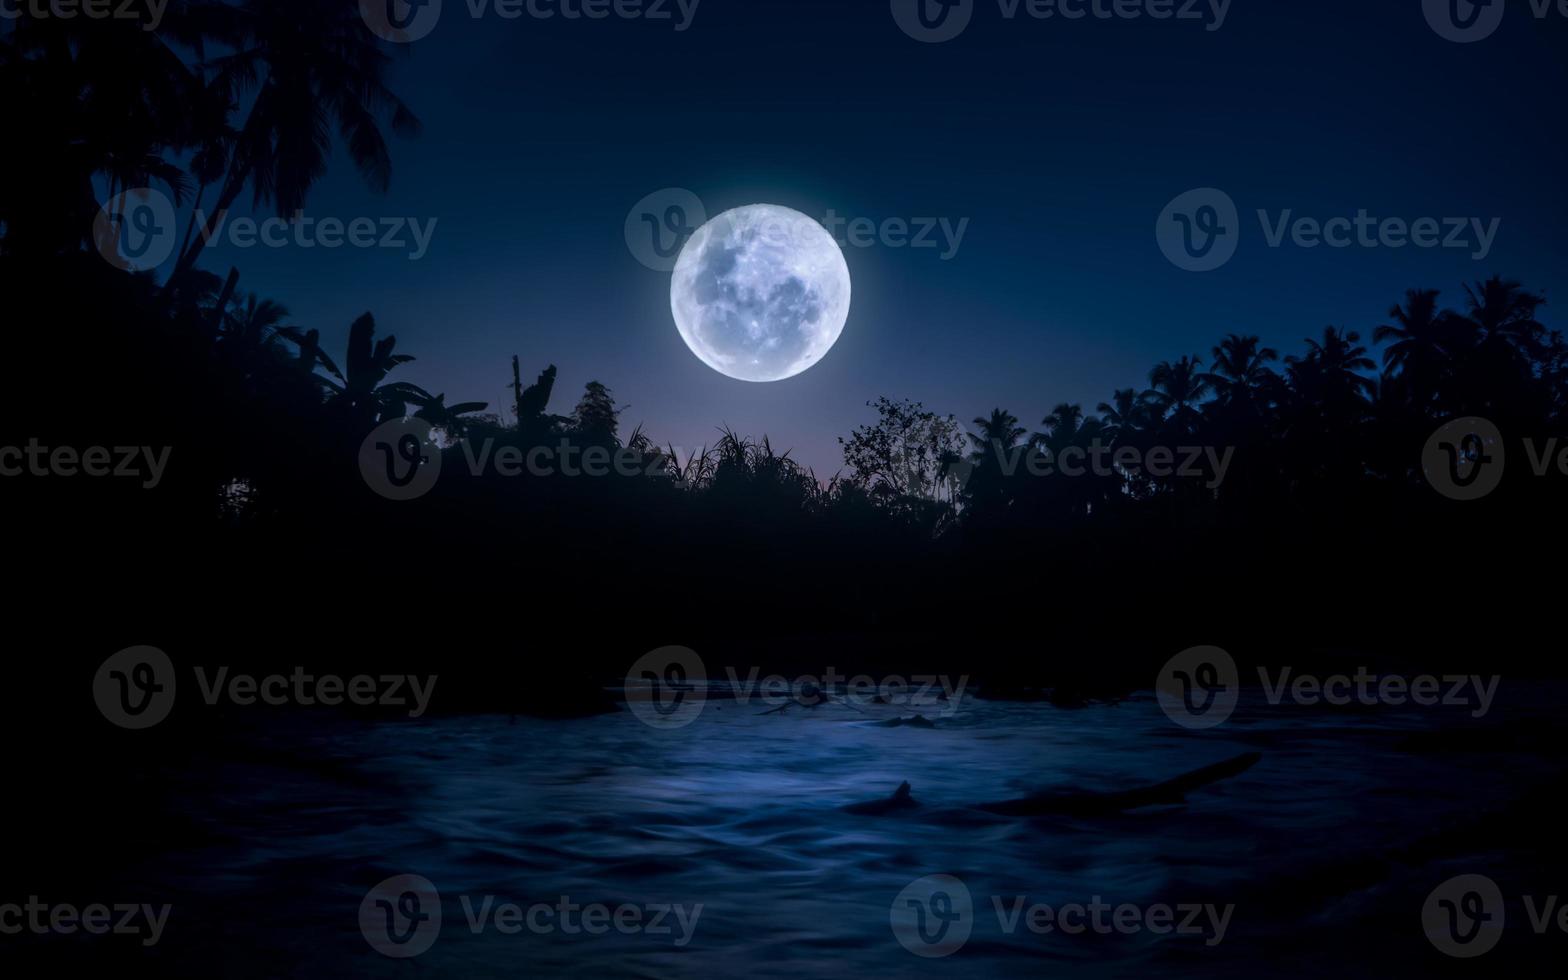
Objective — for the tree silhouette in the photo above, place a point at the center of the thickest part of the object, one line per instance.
(1176, 389)
(359, 391)
(1241, 379)
(309, 67)
(596, 418)
(910, 451)
(448, 418)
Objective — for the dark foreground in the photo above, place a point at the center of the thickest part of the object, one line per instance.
(605, 846)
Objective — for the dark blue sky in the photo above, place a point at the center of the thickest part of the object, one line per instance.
(1060, 142)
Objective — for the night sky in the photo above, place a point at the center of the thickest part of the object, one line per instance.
(1060, 142)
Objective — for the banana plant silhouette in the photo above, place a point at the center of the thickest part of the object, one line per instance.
(448, 418)
(358, 390)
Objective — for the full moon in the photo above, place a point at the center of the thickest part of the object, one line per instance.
(760, 293)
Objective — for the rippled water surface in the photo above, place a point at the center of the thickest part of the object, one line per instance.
(291, 823)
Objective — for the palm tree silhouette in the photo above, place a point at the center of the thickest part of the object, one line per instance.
(1502, 308)
(1241, 376)
(250, 329)
(211, 107)
(313, 68)
(96, 97)
(1129, 413)
(1419, 339)
(1062, 427)
(1332, 368)
(997, 434)
(1176, 389)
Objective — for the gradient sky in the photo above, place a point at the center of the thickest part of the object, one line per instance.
(1060, 142)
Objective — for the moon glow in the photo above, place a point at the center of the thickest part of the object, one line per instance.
(760, 293)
